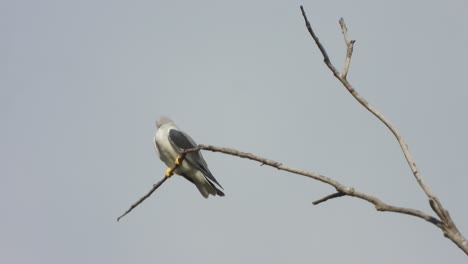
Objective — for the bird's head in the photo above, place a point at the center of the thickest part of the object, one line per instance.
(163, 120)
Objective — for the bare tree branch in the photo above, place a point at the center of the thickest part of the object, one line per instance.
(344, 190)
(446, 224)
(168, 174)
(379, 205)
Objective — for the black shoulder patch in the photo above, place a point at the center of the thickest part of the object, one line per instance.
(180, 140)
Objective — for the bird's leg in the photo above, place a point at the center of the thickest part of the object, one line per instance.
(169, 172)
(178, 161)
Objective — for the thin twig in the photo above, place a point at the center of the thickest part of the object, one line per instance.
(155, 186)
(328, 197)
(326, 59)
(344, 31)
(349, 49)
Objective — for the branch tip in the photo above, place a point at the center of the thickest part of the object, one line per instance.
(167, 175)
(329, 197)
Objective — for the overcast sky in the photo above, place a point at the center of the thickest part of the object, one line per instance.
(82, 83)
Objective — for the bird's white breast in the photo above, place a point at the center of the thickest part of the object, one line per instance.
(166, 152)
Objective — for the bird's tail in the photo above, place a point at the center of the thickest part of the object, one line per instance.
(219, 192)
(209, 188)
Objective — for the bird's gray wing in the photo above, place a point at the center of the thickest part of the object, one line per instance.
(181, 141)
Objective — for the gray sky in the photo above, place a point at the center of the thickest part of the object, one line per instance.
(82, 83)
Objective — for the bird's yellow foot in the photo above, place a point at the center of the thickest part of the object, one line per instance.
(168, 172)
(178, 161)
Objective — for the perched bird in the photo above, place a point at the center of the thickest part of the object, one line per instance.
(169, 143)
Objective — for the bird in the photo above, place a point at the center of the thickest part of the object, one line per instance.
(169, 143)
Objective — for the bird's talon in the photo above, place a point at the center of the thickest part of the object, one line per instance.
(168, 172)
(178, 161)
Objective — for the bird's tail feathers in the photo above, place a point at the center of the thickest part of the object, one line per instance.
(209, 188)
(215, 190)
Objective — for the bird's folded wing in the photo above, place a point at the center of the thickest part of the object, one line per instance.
(181, 141)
